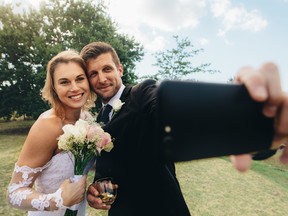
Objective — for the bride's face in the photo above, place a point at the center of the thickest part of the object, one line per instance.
(71, 85)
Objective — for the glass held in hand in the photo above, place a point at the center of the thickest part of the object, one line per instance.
(107, 190)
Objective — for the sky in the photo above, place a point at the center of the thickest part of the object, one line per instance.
(232, 33)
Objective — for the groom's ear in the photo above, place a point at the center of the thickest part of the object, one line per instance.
(120, 70)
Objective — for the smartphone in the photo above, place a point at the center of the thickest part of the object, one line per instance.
(203, 120)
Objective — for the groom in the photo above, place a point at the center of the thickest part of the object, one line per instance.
(148, 186)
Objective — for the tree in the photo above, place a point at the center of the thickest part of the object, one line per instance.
(73, 24)
(17, 80)
(28, 40)
(176, 63)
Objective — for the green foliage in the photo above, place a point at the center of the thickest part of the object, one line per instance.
(17, 83)
(176, 63)
(28, 40)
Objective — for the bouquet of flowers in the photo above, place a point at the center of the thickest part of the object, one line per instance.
(85, 140)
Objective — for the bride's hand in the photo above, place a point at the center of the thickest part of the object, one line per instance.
(73, 192)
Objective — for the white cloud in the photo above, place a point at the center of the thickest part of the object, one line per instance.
(164, 15)
(171, 15)
(155, 18)
(236, 18)
(219, 7)
(158, 43)
(203, 41)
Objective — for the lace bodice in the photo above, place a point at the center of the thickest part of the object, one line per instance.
(46, 186)
(59, 168)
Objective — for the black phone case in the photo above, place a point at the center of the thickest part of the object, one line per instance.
(202, 120)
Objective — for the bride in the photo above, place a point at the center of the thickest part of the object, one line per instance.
(41, 179)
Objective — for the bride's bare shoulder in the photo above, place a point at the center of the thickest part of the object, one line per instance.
(48, 114)
(41, 142)
(48, 121)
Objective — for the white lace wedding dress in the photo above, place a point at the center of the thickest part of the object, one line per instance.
(46, 186)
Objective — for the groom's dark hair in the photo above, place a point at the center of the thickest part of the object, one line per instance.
(94, 49)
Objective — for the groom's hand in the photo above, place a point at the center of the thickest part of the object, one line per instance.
(93, 200)
(264, 86)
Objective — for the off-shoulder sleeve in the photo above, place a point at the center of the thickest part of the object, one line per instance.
(21, 194)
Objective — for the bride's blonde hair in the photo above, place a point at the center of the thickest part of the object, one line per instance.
(48, 92)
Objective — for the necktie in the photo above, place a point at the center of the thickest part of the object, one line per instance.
(104, 114)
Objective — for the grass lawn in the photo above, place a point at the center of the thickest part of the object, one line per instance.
(211, 187)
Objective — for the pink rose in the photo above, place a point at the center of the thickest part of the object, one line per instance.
(94, 131)
(105, 139)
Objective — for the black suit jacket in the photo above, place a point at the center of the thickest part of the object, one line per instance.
(147, 186)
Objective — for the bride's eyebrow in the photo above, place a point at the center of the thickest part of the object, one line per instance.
(62, 79)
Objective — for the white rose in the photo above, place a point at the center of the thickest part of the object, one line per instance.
(69, 129)
(117, 104)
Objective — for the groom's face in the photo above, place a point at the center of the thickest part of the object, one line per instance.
(104, 76)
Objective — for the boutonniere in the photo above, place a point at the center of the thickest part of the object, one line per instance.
(117, 105)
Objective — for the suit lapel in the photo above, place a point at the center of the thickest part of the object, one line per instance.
(99, 114)
(125, 93)
(123, 98)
